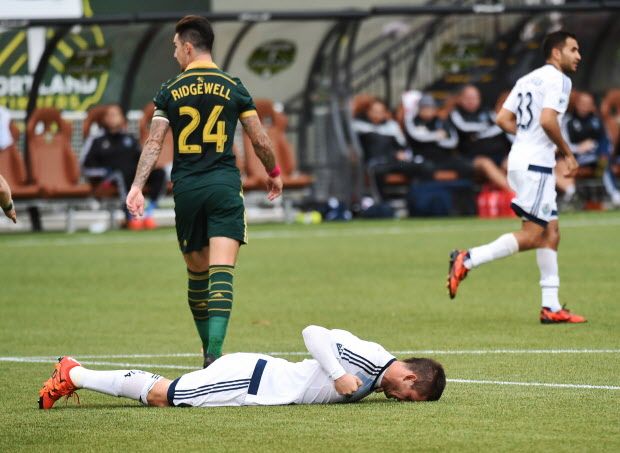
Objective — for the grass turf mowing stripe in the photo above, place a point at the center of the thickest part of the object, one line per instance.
(304, 233)
(305, 353)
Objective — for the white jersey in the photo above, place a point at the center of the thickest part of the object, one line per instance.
(309, 382)
(245, 379)
(545, 87)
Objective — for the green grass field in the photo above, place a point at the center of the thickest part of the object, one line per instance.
(107, 298)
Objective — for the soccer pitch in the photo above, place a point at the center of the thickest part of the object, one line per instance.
(118, 300)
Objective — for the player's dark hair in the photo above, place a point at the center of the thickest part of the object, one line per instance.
(555, 40)
(431, 378)
(197, 30)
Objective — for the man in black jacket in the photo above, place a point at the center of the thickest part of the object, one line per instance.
(480, 139)
(385, 148)
(588, 139)
(436, 140)
(112, 159)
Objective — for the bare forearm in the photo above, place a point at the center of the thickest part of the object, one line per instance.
(261, 142)
(265, 154)
(507, 121)
(5, 193)
(150, 152)
(552, 129)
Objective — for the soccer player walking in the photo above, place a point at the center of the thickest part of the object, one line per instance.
(202, 106)
(532, 112)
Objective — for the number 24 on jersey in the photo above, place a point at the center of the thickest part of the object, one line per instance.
(208, 136)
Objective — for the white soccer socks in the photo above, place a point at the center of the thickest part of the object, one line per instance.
(503, 246)
(547, 260)
(132, 384)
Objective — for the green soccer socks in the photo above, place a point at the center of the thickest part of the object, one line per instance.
(219, 306)
(197, 298)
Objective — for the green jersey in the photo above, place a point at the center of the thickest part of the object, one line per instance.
(203, 105)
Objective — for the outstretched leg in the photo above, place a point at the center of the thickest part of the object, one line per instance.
(461, 262)
(69, 376)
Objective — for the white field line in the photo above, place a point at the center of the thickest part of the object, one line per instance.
(300, 233)
(536, 384)
(191, 368)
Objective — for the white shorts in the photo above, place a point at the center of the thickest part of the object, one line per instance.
(226, 382)
(535, 194)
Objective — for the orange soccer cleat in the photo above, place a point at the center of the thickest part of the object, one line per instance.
(563, 316)
(149, 223)
(457, 271)
(59, 384)
(134, 224)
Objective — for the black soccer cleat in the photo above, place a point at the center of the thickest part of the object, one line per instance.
(209, 359)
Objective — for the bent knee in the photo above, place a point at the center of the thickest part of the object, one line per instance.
(158, 396)
(552, 236)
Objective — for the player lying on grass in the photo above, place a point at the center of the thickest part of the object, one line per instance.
(343, 369)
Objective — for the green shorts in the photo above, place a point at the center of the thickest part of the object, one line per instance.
(212, 211)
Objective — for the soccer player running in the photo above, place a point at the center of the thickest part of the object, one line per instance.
(202, 106)
(343, 369)
(533, 111)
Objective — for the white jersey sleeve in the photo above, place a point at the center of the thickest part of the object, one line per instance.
(512, 101)
(322, 348)
(556, 94)
(364, 359)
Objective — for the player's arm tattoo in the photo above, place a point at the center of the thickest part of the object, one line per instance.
(150, 152)
(260, 140)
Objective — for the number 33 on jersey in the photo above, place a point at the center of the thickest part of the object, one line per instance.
(543, 88)
(203, 105)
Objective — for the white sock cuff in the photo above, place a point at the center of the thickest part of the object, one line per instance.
(511, 242)
(148, 385)
(552, 281)
(75, 374)
(546, 253)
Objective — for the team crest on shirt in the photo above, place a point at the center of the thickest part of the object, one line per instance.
(339, 347)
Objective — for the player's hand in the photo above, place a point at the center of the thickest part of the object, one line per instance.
(347, 384)
(274, 186)
(571, 166)
(11, 214)
(135, 202)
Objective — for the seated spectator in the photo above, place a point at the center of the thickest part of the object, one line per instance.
(112, 159)
(436, 140)
(480, 139)
(589, 141)
(384, 147)
(6, 138)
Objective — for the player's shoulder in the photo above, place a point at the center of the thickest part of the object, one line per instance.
(165, 86)
(551, 75)
(238, 83)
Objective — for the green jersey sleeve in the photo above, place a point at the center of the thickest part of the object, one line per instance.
(161, 101)
(245, 103)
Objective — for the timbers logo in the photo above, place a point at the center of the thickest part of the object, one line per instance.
(77, 73)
